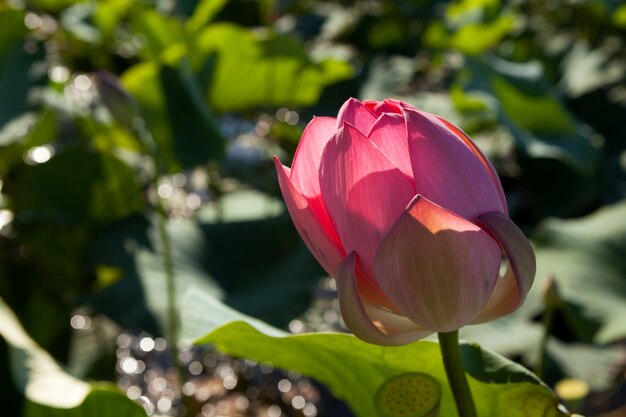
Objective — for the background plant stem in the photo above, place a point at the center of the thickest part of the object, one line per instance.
(173, 323)
(453, 364)
(548, 319)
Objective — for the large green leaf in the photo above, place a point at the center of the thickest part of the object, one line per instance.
(527, 103)
(246, 254)
(587, 257)
(264, 69)
(354, 370)
(48, 389)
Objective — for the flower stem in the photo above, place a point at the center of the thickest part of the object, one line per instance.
(449, 345)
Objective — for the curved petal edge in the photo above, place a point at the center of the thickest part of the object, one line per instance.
(511, 290)
(355, 315)
(320, 242)
(306, 162)
(357, 114)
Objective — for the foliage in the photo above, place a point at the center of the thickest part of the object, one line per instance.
(136, 132)
(355, 369)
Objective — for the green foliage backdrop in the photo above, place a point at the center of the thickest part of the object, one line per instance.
(136, 140)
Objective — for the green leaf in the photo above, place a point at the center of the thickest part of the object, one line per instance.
(354, 370)
(196, 138)
(264, 69)
(471, 26)
(102, 401)
(109, 14)
(158, 31)
(244, 254)
(587, 257)
(139, 298)
(204, 13)
(106, 188)
(184, 138)
(596, 365)
(619, 16)
(528, 105)
(49, 390)
(471, 39)
(539, 113)
(77, 20)
(586, 69)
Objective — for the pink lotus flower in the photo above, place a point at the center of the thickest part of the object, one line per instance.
(409, 216)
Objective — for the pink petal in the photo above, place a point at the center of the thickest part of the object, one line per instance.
(511, 290)
(446, 171)
(438, 268)
(320, 237)
(487, 164)
(389, 134)
(389, 322)
(389, 330)
(306, 162)
(364, 193)
(504, 300)
(388, 106)
(371, 104)
(357, 114)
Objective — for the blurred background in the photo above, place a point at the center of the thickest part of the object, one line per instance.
(136, 145)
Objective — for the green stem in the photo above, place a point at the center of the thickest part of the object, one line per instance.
(170, 284)
(173, 322)
(452, 362)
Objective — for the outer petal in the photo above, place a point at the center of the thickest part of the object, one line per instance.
(306, 162)
(446, 171)
(390, 331)
(438, 268)
(389, 134)
(511, 289)
(392, 323)
(321, 241)
(357, 114)
(364, 193)
(470, 144)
